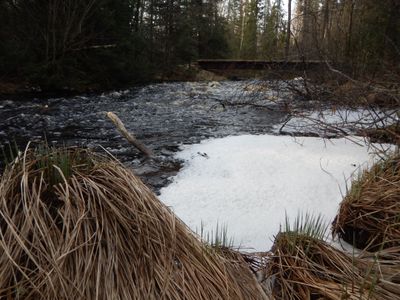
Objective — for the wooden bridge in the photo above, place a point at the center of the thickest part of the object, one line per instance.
(233, 64)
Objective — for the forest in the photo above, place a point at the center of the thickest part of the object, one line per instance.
(102, 44)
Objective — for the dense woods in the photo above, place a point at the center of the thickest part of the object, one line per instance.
(105, 43)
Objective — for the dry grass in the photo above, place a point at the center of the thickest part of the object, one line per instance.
(389, 134)
(75, 225)
(302, 267)
(369, 216)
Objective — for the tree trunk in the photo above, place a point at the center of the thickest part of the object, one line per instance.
(325, 21)
(287, 46)
(242, 21)
(350, 29)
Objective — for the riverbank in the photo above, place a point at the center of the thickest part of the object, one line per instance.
(23, 90)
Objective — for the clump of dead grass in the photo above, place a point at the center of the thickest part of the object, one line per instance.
(388, 134)
(304, 267)
(77, 225)
(369, 215)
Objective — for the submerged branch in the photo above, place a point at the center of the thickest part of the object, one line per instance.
(130, 137)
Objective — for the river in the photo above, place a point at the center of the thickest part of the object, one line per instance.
(163, 116)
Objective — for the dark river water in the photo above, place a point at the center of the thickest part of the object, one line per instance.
(163, 116)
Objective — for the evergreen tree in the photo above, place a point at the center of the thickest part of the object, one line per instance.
(249, 46)
(273, 31)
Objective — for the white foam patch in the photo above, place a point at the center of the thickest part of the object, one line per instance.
(247, 183)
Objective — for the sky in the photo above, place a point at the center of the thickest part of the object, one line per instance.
(284, 5)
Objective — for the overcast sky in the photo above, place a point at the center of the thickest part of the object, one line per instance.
(284, 5)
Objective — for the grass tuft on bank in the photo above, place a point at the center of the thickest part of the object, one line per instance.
(369, 215)
(303, 266)
(79, 225)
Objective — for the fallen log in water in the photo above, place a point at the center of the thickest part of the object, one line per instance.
(130, 137)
